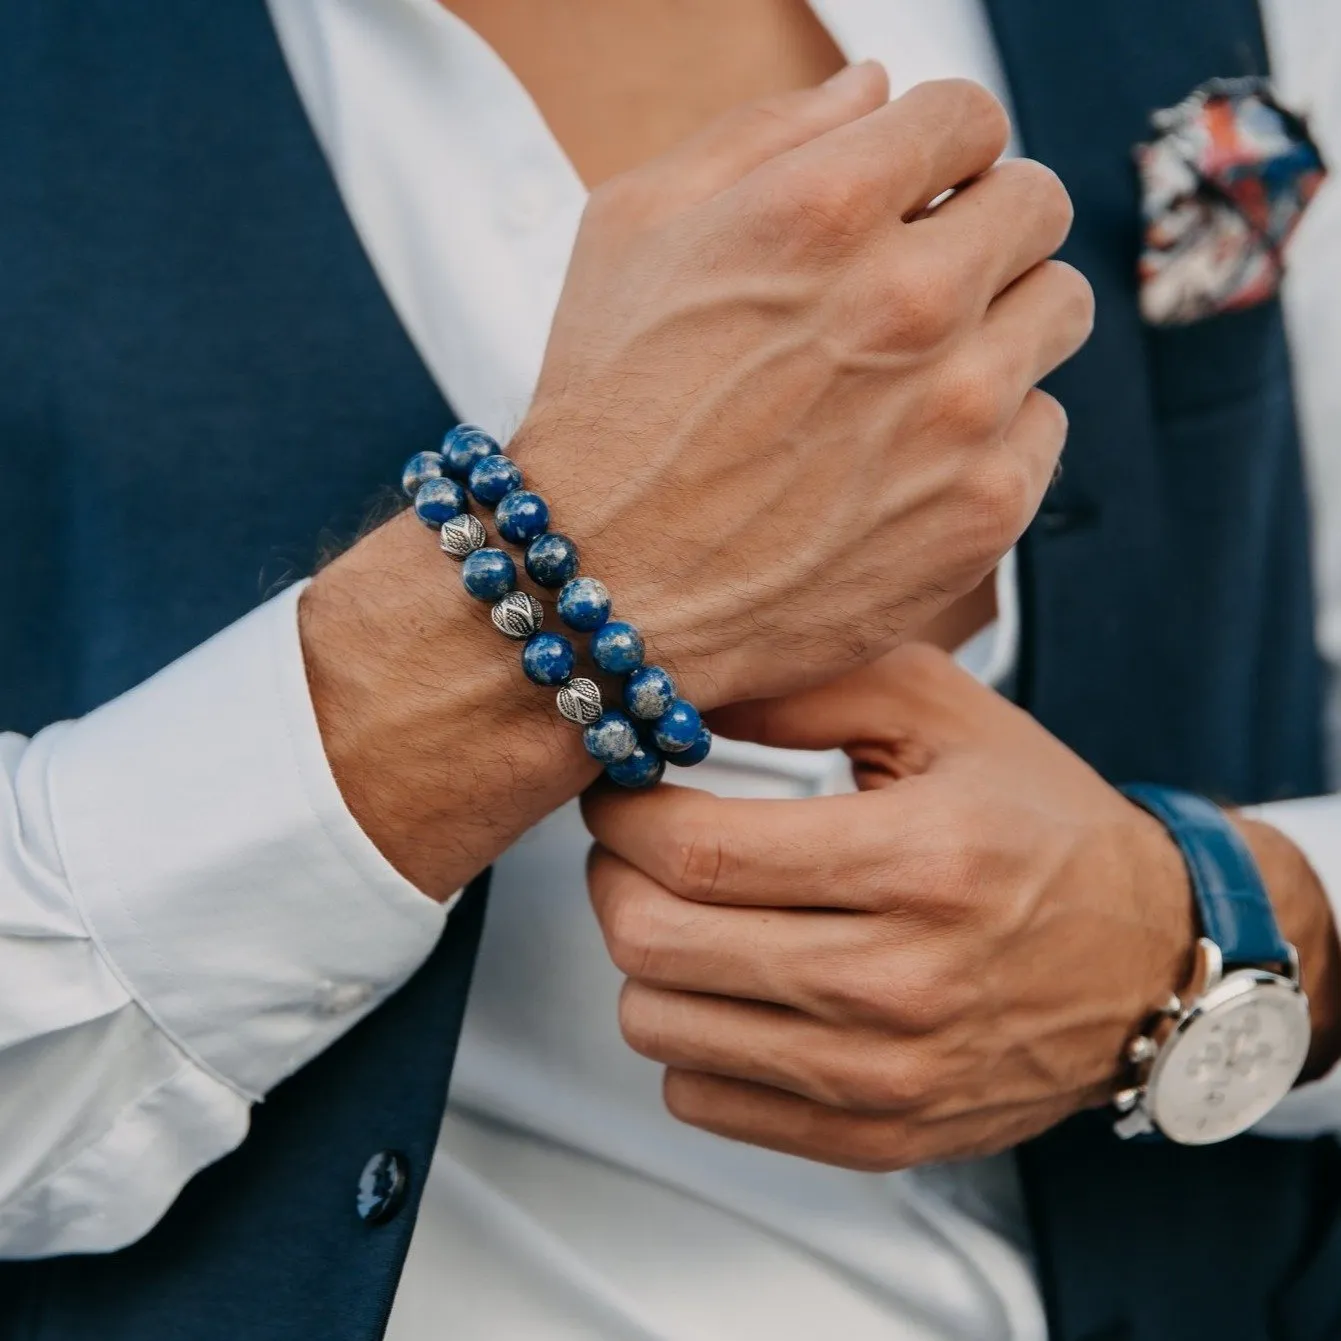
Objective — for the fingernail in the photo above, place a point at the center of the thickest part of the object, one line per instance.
(850, 77)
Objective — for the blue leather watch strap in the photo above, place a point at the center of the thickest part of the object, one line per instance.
(1231, 899)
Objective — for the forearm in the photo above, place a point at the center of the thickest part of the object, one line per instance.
(443, 750)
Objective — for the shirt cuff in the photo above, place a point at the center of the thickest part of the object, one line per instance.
(217, 866)
(1314, 826)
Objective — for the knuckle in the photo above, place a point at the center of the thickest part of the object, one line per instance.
(963, 106)
(928, 1001)
(830, 1083)
(640, 1022)
(859, 990)
(899, 1085)
(887, 1088)
(978, 107)
(1053, 413)
(1077, 297)
(682, 1097)
(874, 1147)
(972, 403)
(863, 1079)
(923, 304)
(629, 936)
(1050, 200)
(700, 862)
(999, 504)
(922, 1002)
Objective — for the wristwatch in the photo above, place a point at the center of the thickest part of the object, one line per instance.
(1222, 1056)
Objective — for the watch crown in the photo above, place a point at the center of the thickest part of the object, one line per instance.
(1125, 1100)
(1141, 1050)
(1173, 1007)
(1132, 1119)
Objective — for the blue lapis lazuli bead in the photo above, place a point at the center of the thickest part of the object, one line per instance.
(696, 753)
(492, 479)
(677, 728)
(439, 500)
(464, 446)
(548, 659)
(488, 574)
(610, 739)
(522, 516)
(642, 768)
(649, 693)
(551, 559)
(422, 466)
(617, 647)
(584, 604)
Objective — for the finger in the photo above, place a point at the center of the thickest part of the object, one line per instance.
(871, 1142)
(747, 136)
(662, 940)
(1037, 324)
(1033, 444)
(1004, 223)
(901, 156)
(768, 1045)
(816, 852)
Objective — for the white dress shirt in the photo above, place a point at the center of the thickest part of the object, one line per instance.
(173, 944)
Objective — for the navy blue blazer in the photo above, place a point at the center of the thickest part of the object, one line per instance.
(199, 376)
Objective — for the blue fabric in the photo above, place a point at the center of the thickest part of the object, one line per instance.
(1168, 635)
(1233, 905)
(199, 376)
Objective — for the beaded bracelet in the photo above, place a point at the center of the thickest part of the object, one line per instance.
(658, 727)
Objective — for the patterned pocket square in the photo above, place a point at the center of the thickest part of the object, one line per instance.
(1224, 184)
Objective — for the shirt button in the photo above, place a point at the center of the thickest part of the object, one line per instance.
(382, 1186)
(339, 998)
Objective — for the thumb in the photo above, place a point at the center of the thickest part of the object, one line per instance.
(911, 704)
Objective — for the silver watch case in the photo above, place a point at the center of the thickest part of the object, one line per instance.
(1213, 1067)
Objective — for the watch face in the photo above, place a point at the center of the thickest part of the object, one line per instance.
(1232, 1060)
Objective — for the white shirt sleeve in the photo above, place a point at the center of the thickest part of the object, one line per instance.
(1314, 826)
(188, 914)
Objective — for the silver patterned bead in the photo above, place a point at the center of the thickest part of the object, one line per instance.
(580, 701)
(462, 535)
(518, 615)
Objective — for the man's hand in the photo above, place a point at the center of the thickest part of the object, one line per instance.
(786, 412)
(937, 967)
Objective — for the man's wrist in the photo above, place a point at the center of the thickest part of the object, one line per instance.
(1304, 914)
(644, 577)
(443, 751)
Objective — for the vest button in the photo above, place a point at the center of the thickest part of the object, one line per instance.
(382, 1186)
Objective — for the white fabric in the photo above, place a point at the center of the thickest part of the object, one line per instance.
(189, 913)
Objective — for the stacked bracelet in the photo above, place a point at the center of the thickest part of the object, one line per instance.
(657, 727)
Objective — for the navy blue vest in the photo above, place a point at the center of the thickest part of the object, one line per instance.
(200, 378)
